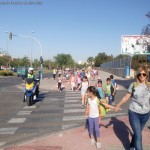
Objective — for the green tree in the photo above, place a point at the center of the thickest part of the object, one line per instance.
(64, 60)
(101, 58)
(46, 64)
(121, 56)
(146, 29)
(91, 60)
(15, 62)
(36, 63)
(24, 62)
(5, 60)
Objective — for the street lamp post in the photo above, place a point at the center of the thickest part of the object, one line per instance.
(7, 42)
(39, 43)
(31, 51)
(7, 47)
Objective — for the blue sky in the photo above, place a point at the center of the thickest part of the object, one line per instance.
(82, 28)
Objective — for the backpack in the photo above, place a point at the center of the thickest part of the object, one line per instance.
(134, 84)
(101, 108)
(112, 89)
(114, 84)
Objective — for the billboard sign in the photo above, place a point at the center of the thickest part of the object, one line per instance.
(135, 44)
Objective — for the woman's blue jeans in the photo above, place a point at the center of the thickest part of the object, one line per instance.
(137, 122)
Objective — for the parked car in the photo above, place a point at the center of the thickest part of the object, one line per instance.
(14, 69)
(22, 72)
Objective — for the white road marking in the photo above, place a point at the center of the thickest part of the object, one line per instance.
(69, 126)
(69, 118)
(24, 112)
(6, 90)
(51, 100)
(115, 114)
(72, 91)
(8, 130)
(17, 120)
(72, 105)
(73, 110)
(71, 101)
(72, 95)
(69, 98)
(30, 107)
(2, 143)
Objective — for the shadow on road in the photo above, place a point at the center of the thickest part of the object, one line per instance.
(121, 130)
(41, 97)
(125, 83)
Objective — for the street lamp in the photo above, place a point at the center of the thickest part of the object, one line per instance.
(10, 37)
(31, 50)
(39, 43)
(7, 41)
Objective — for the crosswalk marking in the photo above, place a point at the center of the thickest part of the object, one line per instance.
(71, 101)
(72, 95)
(115, 114)
(17, 120)
(5, 90)
(76, 97)
(70, 91)
(2, 143)
(24, 112)
(68, 118)
(73, 110)
(51, 100)
(30, 107)
(8, 130)
(69, 126)
(72, 105)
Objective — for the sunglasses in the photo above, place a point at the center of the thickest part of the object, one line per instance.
(144, 74)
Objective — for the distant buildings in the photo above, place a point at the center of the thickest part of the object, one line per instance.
(3, 53)
(82, 62)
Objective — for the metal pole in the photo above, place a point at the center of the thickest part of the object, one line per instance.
(7, 49)
(37, 42)
(31, 50)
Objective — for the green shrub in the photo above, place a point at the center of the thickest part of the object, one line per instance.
(2, 73)
(5, 73)
(9, 73)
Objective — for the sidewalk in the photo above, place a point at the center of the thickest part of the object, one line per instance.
(115, 132)
(51, 84)
(115, 137)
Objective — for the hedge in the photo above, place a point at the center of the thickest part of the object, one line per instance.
(5, 73)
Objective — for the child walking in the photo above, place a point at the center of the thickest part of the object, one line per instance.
(100, 88)
(92, 110)
(78, 80)
(84, 85)
(59, 81)
(109, 91)
(73, 81)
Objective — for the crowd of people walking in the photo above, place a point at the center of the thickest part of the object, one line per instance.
(94, 93)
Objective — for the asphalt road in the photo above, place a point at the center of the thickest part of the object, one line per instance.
(51, 112)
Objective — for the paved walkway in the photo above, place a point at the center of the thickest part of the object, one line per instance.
(115, 132)
(51, 84)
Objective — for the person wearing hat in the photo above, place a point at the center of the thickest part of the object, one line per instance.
(30, 73)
